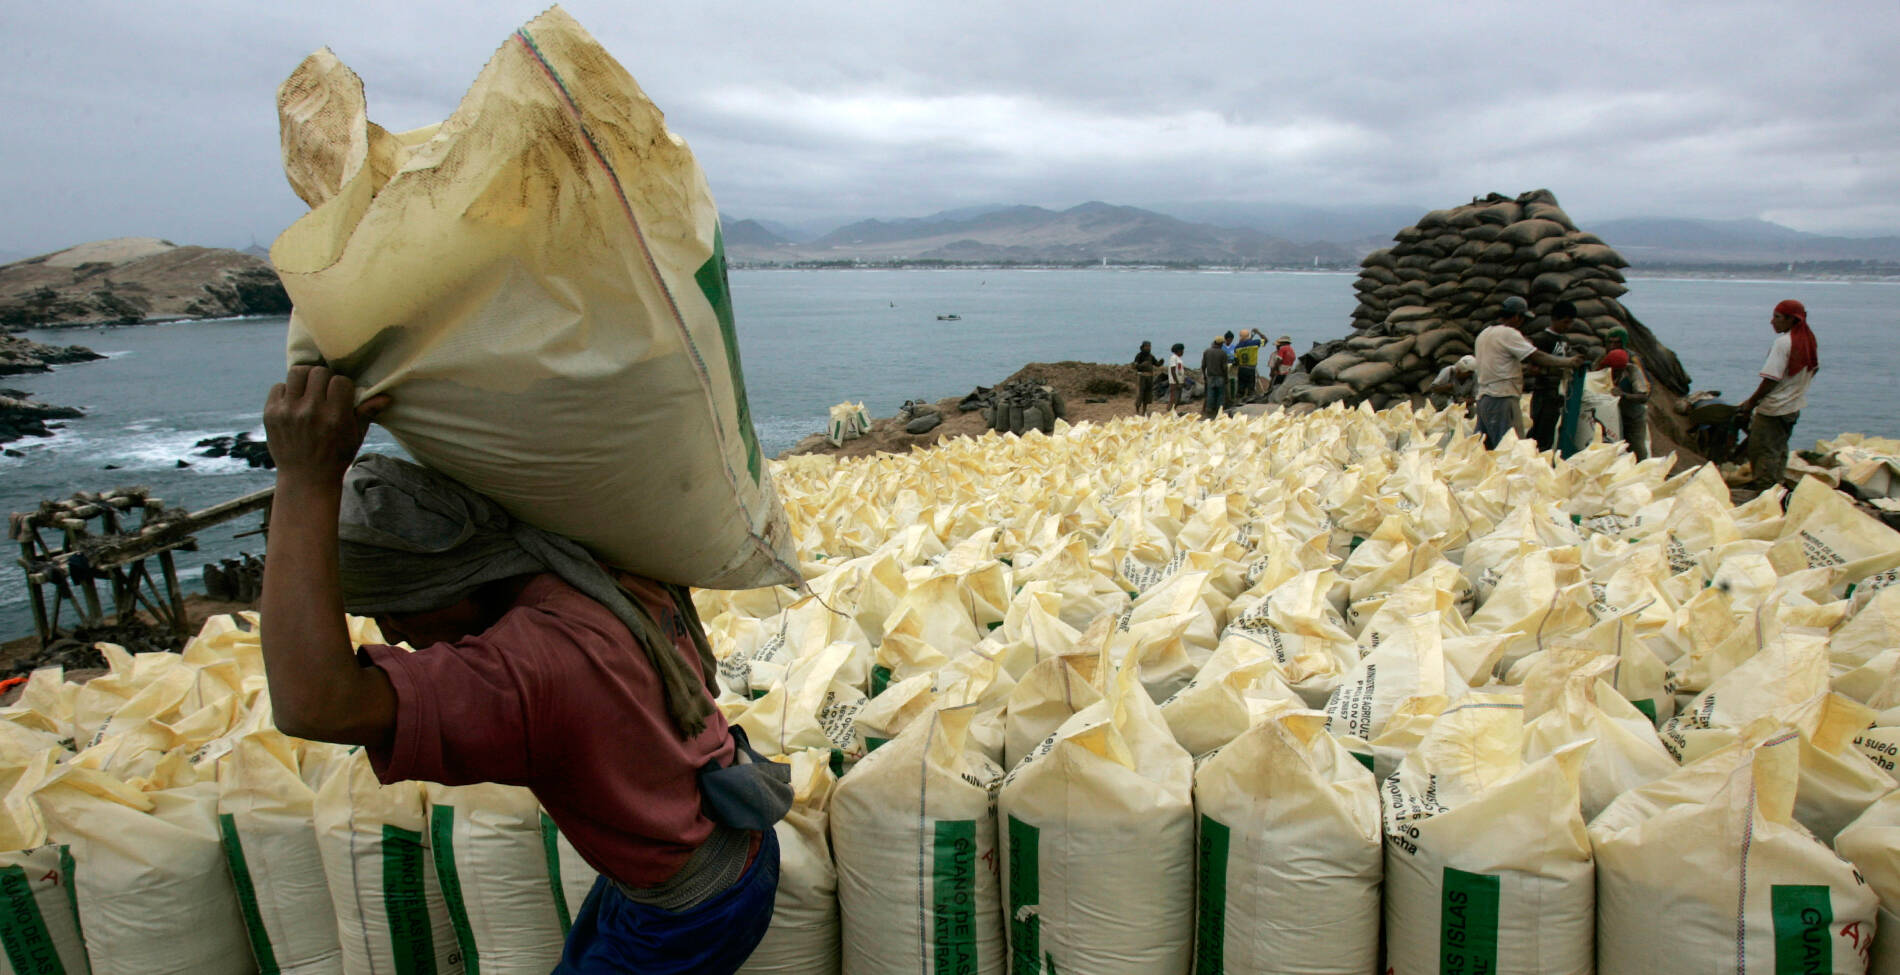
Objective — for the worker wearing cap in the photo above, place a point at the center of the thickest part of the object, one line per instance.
(1631, 385)
(1282, 363)
(1456, 383)
(1501, 351)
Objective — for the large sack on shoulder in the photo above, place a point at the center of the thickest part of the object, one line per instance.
(914, 835)
(1709, 863)
(1290, 855)
(541, 284)
(1462, 893)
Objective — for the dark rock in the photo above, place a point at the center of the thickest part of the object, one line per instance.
(924, 422)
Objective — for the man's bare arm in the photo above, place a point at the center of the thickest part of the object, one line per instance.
(318, 690)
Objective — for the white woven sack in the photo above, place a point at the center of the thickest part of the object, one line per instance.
(1487, 866)
(264, 819)
(490, 859)
(389, 910)
(1290, 855)
(40, 924)
(913, 829)
(1097, 830)
(803, 936)
(1710, 864)
(541, 284)
(149, 874)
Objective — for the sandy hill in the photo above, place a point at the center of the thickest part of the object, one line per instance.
(128, 280)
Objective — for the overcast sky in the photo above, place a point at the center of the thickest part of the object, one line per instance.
(130, 119)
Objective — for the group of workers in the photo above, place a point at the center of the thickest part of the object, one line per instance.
(1230, 371)
(1494, 378)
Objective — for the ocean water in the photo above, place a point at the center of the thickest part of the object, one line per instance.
(810, 339)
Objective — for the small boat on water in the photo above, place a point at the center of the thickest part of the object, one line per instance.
(949, 318)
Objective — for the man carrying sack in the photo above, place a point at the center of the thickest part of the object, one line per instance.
(534, 666)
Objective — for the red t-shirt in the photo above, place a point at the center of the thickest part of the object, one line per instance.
(557, 696)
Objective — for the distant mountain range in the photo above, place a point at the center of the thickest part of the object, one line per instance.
(1257, 235)
(1085, 234)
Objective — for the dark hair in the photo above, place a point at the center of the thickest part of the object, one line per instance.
(1229, 336)
(1177, 348)
(1146, 343)
(1563, 309)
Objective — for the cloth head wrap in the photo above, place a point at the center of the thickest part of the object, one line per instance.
(1803, 351)
(414, 540)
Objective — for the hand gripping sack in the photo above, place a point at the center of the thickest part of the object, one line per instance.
(148, 874)
(389, 910)
(913, 829)
(1872, 843)
(491, 862)
(1709, 864)
(1487, 865)
(1290, 854)
(540, 283)
(1098, 844)
(803, 936)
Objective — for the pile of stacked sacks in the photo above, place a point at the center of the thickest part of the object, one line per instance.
(1151, 696)
(1165, 696)
(156, 822)
(1423, 300)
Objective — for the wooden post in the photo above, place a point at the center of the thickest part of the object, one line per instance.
(41, 625)
(179, 624)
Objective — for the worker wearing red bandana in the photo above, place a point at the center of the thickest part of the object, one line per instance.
(1777, 402)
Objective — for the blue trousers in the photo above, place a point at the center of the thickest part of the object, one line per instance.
(614, 935)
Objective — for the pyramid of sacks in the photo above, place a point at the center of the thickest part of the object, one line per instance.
(1423, 300)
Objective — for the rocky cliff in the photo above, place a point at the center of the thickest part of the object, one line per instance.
(129, 280)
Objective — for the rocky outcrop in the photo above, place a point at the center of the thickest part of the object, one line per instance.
(129, 280)
(1423, 300)
(17, 355)
(23, 416)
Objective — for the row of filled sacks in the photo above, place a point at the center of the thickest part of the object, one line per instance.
(819, 665)
(191, 836)
(1109, 849)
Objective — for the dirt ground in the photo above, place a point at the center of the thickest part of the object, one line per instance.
(1071, 379)
(14, 653)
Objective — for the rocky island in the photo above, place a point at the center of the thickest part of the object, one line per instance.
(134, 280)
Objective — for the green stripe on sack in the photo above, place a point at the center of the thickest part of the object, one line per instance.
(712, 280)
(551, 848)
(1468, 923)
(953, 897)
(442, 848)
(1025, 897)
(1210, 910)
(247, 896)
(1648, 707)
(406, 902)
(70, 871)
(880, 679)
(1364, 758)
(1804, 916)
(29, 946)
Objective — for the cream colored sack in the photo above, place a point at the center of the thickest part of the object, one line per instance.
(486, 843)
(569, 875)
(148, 872)
(1487, 865)
(914, 833)
(264, 818)
(1290, 855)
(1824, 530)
(1709, 864)
(1098, 844)
(39, 915)
(1583, 706)
(803, 936)
(541, 283)
(389, 909)
(1872, 843)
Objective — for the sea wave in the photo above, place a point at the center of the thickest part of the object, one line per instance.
(139, 445)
